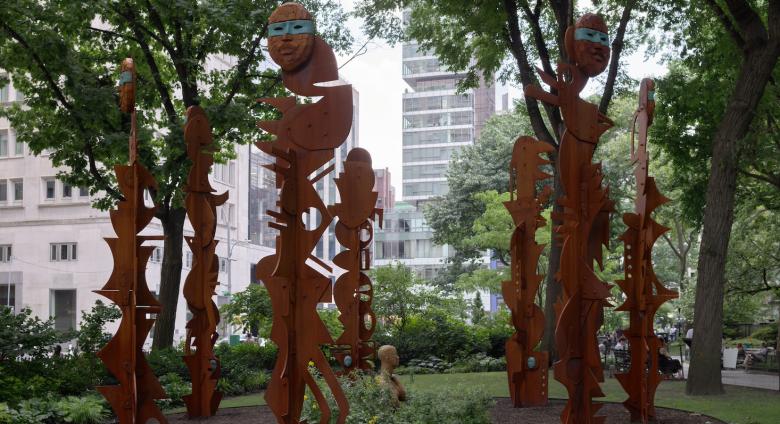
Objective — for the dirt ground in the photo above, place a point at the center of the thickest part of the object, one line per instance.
(502, 413)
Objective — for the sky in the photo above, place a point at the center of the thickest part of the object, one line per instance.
(376, 75)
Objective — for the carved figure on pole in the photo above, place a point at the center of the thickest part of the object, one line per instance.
(133, 398)
(305, 138)
(353, 292)
(644, 292)
(201, 282)
(526, 368)
(585, 218)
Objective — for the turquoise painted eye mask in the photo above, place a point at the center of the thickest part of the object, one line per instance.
(591, 35)
(299, 26)
(651, 96)
(125, 77)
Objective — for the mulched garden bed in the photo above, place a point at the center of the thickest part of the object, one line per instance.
(502, 413)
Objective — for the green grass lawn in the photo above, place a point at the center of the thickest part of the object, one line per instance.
(740, 405)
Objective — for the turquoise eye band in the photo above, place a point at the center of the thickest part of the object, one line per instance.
(300, 26)
(651, 95)
(125, 77)
(591, 35)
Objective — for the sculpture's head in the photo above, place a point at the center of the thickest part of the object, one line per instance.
(127, 86)
(587, 44)
(647, 96)
(290, 36)
(389, 356)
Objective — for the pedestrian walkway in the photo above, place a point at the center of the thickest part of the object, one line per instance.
(739, 377)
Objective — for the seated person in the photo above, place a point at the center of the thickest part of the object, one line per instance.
(666, 364)
(757, 357)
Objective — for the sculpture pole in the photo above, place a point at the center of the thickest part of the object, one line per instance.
(133, 398)
(526, 368)
(585, 218)
(306, 135)
(353, 292)
(202, 281)
(644, 292)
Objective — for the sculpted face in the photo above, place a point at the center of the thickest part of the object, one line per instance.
(591, 44)
(389, 356)
(290, 36)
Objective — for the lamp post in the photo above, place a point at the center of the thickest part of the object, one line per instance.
(230, 247)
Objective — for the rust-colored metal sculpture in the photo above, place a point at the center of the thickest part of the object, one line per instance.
(133, 398)
(201, 283)
(585, 218)
(526, 368)
(644, 293)
(353, 292)
(305, 138)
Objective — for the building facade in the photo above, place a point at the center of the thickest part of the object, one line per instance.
(383, 185)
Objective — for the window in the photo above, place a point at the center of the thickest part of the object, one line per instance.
(8, 295)
(3, 143)
(50, 184)
(63, 252)
(188, 259)
(84, 192)
(223, 264)
(62, 307)
(67, 191)
(18, 186)
(5, 253)
(232, 175)
(4, 90)
(3, 191)
(157, 255)
(18, 147)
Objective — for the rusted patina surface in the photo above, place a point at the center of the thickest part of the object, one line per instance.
(306, 137)
(353, 292)
(201, 282)
(133, 398)
(585, 218)
(644, 292)
(526, 368)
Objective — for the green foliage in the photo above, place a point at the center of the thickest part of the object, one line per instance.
(85, 410)
(766, 334)
(92, 335)
(243, 367)
(168, 361)
(479, 362)
(475, 169)
(370, 403)
(477, 309)
(176, 388)
(395, 296)
(25, 335)
(250, 310)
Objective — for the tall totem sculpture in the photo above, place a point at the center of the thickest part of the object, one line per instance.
(585, 218)
(201, 282)
(353, 292)
(305, 138)
(644, 293)
(133, 398)
(526, 368)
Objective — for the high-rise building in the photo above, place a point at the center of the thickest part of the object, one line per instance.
(384, 187)
(437, 122)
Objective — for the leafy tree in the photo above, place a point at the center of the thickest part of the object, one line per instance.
(505, 39)
(25, 335)
(395, 295)
(709, 133)
(250, 310)
(477, 309)
(64, 56)
(92, 335)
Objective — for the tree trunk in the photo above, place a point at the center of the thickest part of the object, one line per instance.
(553, 287)
(704, 377)
(170, 277)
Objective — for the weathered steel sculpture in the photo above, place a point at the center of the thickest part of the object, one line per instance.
(201, 283)
(133, 398)
(305, 138)
(585, 218)
(526, 368)
(353, 292)
(644, 293)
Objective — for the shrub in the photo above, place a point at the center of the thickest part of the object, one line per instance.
(431, 364)
(84, 410)
(168, 361)
(479, 363)
(766, 334)
(176, 388)
(371, 403)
